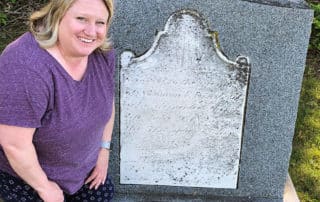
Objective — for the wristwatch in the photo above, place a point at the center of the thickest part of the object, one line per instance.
(106, 145)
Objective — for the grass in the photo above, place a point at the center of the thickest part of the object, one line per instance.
(305, 159)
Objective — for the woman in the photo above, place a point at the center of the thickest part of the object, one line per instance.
(57, 107)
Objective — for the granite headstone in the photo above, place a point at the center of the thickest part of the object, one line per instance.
(272, 34)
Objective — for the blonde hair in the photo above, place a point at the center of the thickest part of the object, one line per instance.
(44, 23)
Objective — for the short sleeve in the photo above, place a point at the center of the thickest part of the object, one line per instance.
(24, 95)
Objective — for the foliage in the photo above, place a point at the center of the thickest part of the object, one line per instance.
(3, 19)
(6, 6)
(13, 18)
(305, 159)
(315, 35)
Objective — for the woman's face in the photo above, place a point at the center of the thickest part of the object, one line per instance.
(83, 28)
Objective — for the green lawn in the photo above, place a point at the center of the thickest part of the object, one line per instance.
(305, 159)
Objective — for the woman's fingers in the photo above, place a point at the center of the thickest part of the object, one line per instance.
(95, 183)
(96, 178)
(92, 176)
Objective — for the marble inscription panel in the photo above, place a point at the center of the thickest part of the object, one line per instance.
(182, 108)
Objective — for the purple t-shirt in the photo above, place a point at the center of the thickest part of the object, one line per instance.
(69, 115)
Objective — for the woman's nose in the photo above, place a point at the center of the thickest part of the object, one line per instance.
(90, 29)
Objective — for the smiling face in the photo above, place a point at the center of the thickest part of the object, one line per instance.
(83, 28)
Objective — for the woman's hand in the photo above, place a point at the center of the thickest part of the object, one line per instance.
(99, 174)
(52, 193)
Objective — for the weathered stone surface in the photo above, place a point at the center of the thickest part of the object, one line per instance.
(182, 110)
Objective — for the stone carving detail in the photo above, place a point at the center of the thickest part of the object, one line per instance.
(182, 108)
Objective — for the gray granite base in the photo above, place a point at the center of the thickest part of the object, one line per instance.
(290, 195)
(158, 198)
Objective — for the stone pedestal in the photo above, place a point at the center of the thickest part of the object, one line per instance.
(274, 36)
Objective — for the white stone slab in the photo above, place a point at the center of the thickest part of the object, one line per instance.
(182, 109)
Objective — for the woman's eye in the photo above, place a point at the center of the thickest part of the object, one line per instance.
(81, 18)
(101, 23)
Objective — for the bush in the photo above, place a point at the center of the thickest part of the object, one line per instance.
(14, 17)
(315, 35)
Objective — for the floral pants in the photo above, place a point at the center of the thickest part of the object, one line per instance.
(13, 189)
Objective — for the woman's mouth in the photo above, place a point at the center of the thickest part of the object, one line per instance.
(86, 40)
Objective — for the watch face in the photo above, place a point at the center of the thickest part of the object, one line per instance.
(106, 144)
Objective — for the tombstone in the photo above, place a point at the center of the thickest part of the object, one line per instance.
(207, 98)
(181, 119)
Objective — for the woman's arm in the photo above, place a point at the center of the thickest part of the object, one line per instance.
(17, 145)
(107, 133)
(99, 173)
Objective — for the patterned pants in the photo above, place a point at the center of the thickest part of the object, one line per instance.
(13, 189)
